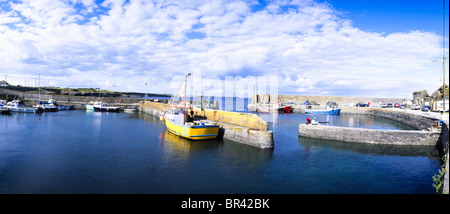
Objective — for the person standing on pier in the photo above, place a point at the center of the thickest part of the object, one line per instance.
(441, 119)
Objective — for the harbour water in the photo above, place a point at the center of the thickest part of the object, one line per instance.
(94, 152)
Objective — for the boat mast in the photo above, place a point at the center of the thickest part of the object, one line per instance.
(185, 85)
(39, 101)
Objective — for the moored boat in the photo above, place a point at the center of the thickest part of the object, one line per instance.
(129, 110)
(284, 109)
(287, 109)
(90, 106)
(49, 106)
(328, 110)
(98, 106)
(4, 110)
(265, 108)
(179, 122)
(14, 106)
(63, 107)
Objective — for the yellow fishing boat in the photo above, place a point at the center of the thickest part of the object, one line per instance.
(176, 120)
(180, 123)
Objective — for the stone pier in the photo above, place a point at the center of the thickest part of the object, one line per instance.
(371, 136)
(243, 128)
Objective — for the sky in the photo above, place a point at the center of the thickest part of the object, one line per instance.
(360, 48)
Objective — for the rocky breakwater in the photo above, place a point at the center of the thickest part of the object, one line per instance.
(243, 128)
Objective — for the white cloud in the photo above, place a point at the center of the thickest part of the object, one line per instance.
(120, 45)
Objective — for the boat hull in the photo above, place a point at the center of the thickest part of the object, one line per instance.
(5, 111)
(285, 109)
(334, 111)
(25, 110)
(107, 109)
(62, 108)
(50, 109)
(89, 107)
(197, 132)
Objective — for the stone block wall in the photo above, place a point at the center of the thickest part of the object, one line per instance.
(371, 136)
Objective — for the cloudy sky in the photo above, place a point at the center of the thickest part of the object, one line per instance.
(361, 48)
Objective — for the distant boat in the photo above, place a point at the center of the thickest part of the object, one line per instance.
(63, 107)
(267, 108)
(98, 106)
(3, 109)
(90, 106)
(285, 109)
(129, 110)
(328, 110)
(178, 121)
(14, 106)
(48, 106)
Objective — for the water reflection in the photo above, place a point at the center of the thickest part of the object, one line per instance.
(180, 149)
(179, 153)
(180, 145)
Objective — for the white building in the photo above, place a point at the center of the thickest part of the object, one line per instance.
(3, 83)
(439, 105)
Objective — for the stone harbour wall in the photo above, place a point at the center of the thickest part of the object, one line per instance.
(371, 136)
(248, 129)
(322, 100)
(419, 122)
(235, 118)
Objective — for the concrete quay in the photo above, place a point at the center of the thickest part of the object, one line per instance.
(422, 121)
(371, 136)
(425, 135)
(248, 129)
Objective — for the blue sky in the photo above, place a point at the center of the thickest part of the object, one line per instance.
(361, 48)
(392, 16)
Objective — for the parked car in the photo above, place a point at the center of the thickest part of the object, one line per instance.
(396, 105)
(384, 105)
(361, 105)
(402, 106)
(389, 105)
(415, 107)
(425, 108)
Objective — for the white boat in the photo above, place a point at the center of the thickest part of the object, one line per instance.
(48, 106)
(14, 106)
(3, 109)
(90, 106)
(328, 110)
(98, 106)
(129, 110)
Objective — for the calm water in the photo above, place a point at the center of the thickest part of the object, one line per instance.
(93, 152)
